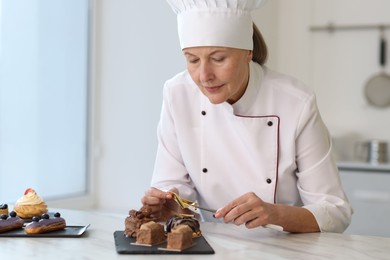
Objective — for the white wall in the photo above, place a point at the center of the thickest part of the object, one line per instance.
(137, 50)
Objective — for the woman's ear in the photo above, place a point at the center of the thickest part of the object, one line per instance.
(250, 56)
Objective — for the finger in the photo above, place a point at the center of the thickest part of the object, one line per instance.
(253, 223)
(232, 210)
(152, 201)
(246, 217)
(154, 192)
(154, 208)
(222, 212)
(238, 215)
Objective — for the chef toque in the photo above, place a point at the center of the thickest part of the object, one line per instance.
(225, 23)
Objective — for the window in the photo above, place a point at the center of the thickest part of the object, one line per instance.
(43, 98)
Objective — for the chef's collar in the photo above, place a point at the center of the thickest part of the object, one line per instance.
(244, 104)
(223, 23)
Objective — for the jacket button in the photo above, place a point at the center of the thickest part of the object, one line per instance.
(204, 170)
(270, 123)
(269, 180)
(204, 113)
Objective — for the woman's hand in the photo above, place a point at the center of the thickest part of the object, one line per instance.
(247, 209)
(162, 204)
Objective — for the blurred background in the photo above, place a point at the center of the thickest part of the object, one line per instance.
(81, 89)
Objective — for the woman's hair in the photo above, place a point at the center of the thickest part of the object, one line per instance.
(260, 52)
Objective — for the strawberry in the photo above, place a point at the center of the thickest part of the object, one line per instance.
(27, 191)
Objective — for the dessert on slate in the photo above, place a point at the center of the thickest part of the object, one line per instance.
(30, 205)
(180, 229)
(182, 219)
(135, 219)
(180, 237)
(3, 209)
(151, 233)
(10, 222)
(45, 224)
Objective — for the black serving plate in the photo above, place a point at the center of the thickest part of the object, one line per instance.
(124, 245)
(69, 231)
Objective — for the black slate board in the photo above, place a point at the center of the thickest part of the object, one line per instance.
(123, 246)
(69, 231)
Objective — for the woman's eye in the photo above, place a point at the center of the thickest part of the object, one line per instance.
(219, 59)
(193, 60)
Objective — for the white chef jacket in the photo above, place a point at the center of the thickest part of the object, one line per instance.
(272, 142)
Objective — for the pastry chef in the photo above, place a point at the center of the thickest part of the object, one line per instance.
(239, 137)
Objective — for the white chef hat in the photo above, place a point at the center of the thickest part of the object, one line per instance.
(226, 23)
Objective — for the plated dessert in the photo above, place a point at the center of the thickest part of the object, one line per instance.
(30, 205)
(180, 237)
(10, 222)
(45, 224)
(3, 209)
(187, 220)
(135, 219)
(151, 233)
(179, 230)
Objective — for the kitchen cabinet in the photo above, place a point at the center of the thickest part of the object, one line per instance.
(368, 189)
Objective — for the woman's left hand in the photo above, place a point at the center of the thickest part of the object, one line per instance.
(247, 209)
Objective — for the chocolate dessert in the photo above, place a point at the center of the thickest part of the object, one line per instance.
(180, 237)
(135, 219)
(10, 222)
(188, 220)
(151, 233)
(45, 224)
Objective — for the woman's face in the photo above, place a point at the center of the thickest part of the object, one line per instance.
(221, 73)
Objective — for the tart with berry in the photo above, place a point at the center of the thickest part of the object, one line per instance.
(30, 205)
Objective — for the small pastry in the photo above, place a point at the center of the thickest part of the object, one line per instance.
(180, 237)
(3, 209)
(135, 219)
(30, 205)
(188, 220)
(10, 223)
(45, 224)
(151, 233)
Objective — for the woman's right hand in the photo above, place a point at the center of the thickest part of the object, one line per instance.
(162, 204)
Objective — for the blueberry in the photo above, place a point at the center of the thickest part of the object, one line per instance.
(57, 215)
(12, 214)
(4, 217)
(45, 216)
(36, 218)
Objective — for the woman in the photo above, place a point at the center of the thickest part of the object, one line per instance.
(237, 136)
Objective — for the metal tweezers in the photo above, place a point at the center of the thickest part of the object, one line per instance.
(185, 204)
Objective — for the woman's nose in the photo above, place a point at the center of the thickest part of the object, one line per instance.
(206, 73)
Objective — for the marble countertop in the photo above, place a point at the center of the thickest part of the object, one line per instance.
(228, 241)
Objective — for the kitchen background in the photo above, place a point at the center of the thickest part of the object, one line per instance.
(135, 49)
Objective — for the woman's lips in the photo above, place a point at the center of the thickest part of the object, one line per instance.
(214, 89)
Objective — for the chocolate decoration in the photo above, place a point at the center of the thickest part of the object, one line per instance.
(181, 220)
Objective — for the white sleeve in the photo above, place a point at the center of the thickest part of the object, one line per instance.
(319, 181)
